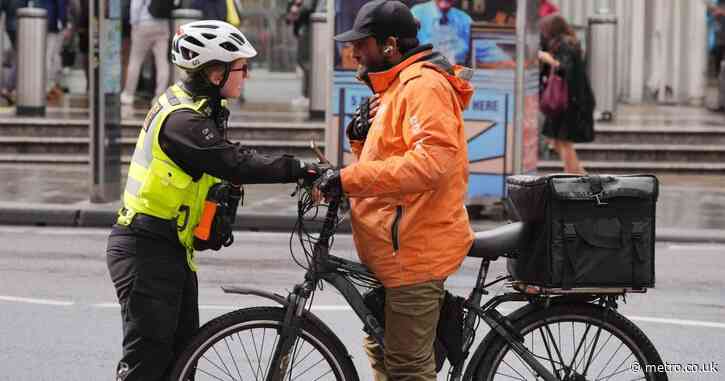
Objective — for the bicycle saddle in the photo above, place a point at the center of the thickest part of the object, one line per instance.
(505, 240)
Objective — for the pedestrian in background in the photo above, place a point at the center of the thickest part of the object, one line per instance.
(564, 55)
(547, 8)
(298, 15)
(147, 33)
(57, 33)
(10, 8)
(716, 13)
(229, 11)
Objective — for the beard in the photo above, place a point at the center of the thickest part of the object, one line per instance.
(363, 71)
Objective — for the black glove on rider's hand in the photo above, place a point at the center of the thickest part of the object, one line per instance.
(359, 126)
(330, 183)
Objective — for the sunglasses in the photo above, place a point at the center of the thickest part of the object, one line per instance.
(244, 69)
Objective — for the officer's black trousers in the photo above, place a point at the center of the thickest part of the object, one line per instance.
(158, 294)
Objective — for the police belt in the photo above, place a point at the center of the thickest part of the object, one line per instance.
(156, 225)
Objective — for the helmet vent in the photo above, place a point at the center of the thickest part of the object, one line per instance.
(229, 46)
(205, 26)
(208, 36)
(187, 53)
(238, 38)
(194, 41)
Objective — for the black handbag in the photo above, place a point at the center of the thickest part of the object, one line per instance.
(589, 231)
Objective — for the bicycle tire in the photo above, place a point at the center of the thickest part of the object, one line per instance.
(224, 327)
(610, 321)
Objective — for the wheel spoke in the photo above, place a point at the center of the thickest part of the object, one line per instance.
(515, 371)
(269, 362)
(249, 361)
(308, 368)
(209, 374)
(617, 369)
(578, 347)
(610, 360)
(233, 358)
(548, 351)
(215, 365)
(591, 352)
(226, 369)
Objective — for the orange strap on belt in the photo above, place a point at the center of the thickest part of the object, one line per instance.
(203, 230)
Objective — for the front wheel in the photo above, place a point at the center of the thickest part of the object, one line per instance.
(576, 342)
(240, 346)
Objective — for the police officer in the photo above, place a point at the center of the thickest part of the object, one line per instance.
(181, 152)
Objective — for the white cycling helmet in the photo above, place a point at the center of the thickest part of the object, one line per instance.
(201, 42)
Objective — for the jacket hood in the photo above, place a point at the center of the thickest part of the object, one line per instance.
(424, 57)
(458, 76)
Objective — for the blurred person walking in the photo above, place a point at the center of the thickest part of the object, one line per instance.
(57, 33)
(564, 55)
(229, 11)
(716, 13)
(547, 8)
(299, 14)
(10, 8)
(147, 33)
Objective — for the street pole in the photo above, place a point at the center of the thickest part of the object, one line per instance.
(519, 87)
(104, 101)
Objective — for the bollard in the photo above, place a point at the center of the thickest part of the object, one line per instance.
(181, 17)
(321, 46)
(602, 61)
(31, 83)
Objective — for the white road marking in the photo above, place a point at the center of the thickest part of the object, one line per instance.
(346, 308)
(47, 302)
(692, 323)
(697, 247)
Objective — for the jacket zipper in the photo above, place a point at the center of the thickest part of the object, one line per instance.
(395, 227)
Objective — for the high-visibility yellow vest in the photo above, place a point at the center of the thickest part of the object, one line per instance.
(156, 186)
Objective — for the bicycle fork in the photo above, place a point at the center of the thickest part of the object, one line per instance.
(288, 335)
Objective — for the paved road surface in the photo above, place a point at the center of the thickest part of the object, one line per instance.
(59, 319)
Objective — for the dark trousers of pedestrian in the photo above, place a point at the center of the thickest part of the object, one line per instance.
(158, 294)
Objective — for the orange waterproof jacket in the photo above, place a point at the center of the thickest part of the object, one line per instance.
(408, 186)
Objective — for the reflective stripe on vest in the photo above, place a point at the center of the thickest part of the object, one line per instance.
(156, 185)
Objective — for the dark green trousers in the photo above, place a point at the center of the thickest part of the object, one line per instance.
(411, 318)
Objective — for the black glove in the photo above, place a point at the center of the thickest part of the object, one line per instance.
(311, 171)
(330, 183)
(359, 126)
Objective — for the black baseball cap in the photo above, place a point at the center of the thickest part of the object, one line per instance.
(381, 19)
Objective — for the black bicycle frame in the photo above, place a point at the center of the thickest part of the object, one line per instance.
(328, 268)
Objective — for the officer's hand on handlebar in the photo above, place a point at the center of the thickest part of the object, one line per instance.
(312, 171)
(329, 185)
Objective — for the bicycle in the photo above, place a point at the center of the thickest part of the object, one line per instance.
(557, 335)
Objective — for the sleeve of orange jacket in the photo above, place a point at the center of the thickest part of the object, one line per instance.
(430, 131)
(356, 146)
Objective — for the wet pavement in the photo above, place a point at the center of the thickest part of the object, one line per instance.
(686, 202)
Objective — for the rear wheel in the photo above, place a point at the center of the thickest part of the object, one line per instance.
(576, 342)
(240, 346)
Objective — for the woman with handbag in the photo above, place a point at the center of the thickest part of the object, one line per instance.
(567, 99)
